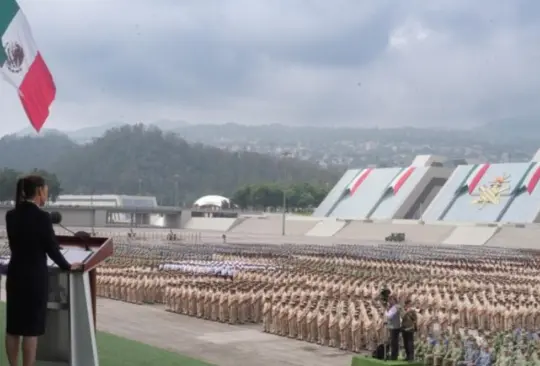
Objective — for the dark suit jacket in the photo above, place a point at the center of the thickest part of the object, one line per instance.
(31, 238)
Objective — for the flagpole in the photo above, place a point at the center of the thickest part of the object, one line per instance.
(285, 154)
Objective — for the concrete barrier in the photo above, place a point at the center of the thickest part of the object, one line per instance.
(418, 233)
(471, 235)
(258, 225)
(516, 238)
(326, 228)
(210, 224)
(273, 225)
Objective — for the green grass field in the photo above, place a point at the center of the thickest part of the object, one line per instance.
(117, 351)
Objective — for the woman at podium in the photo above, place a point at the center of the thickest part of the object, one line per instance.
(31, 239)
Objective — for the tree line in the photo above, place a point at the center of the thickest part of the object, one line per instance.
(298, 196)
(8, 183)
(141, 160)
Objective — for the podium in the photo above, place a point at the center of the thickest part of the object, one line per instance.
(70, 338)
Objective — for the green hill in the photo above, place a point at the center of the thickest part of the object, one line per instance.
(137, 159)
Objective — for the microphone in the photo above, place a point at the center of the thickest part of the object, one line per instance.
(56, 218)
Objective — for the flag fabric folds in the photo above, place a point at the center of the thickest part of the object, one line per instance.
(358, 180)
(400, 179)
(22, 65)
(475, 177)
(530, 179)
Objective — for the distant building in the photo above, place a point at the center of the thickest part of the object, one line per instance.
(106, 200)
(213, 202)
(111, 200)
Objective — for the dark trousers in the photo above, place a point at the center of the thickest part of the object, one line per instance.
(394, 344)
(408, 342)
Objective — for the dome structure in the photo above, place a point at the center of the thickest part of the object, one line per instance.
(213, 202)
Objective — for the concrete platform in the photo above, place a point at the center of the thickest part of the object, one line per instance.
(220, 344)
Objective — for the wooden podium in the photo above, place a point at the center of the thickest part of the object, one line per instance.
(70, 338)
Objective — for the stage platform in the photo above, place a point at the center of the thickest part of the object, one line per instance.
(370, 361)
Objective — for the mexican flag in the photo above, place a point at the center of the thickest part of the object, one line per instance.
(22, 65)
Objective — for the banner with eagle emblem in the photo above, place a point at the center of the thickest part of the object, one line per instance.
(22, 65)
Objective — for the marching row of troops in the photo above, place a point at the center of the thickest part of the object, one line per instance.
(330, 295)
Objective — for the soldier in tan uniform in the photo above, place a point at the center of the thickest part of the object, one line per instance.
(333, 327)
(199, 302)
(181, 299)
(356, 330)
(167, 298)
(283, 317)
(301, 321)
(267, 314)
(256, 306)
(276, 310)
(193, 299)
(224, 306)
(292, 317)
(207, 308)
(131, 290)
(145, 289)
(139, 290)
(214, 304)
(233, 307)
(322, 325)
(311, 320)
(344, 329)
(244, 306)
(124, 285)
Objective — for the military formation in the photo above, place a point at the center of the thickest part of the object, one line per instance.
(330, 295)
(470, 300)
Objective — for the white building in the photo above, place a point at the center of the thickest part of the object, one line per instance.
(112, 200)
(106, 200)
(212, 202)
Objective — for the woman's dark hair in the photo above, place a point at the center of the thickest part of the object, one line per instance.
(27, 187)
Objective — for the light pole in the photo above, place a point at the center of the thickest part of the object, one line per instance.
(283, 216)
(176, 176)
(284, 154)
(140, 187)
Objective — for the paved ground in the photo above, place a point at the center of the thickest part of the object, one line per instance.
(220, 344)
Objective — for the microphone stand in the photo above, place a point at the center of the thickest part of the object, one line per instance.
(79, 234)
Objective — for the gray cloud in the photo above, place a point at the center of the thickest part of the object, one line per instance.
(344, 62)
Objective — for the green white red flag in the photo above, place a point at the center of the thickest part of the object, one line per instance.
(22, 65)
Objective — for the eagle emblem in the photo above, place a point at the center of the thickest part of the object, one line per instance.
(491, 193)
(15, 57)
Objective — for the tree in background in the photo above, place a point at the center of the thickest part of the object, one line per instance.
(300, 196)
(8, 182)
(52, 181)
(142, 160)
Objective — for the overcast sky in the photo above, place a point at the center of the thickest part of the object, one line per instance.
(311, 62)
